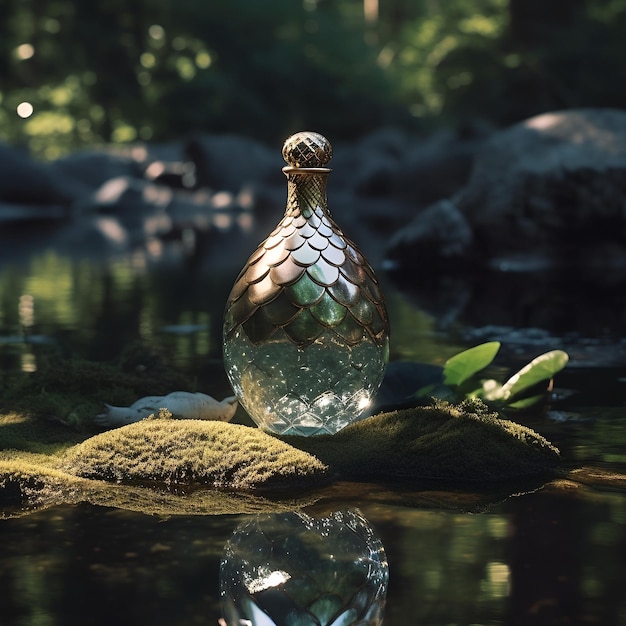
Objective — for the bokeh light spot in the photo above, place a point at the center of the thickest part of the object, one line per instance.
(156, 31)
(25, 51)
(25, 109)
(203, 60)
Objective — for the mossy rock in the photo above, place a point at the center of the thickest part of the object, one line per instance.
(25, 488)
(73, 391)
(34, 486)
(194, 452)
(453, 442)
(165, 466)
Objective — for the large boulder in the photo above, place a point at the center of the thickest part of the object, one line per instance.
(550, 190)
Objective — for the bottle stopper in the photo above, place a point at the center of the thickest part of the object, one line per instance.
(307, 149)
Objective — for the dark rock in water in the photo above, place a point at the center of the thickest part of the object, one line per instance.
(26, 181)
(402, 380)
(232, 163)
(369, 167)
(550, 189)
(127, 195)
(94, 167)
(15, 213)
(556, 181)
(438, 166)
(392, 164)
(441, 234)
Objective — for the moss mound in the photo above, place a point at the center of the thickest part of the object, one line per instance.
(194, 452)
(25, 488)
(31, 486)
(454, 442)
(73, 391)
(171, 467)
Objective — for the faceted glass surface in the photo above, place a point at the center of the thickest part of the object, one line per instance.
(315, 390)
(291, 569)
(306, 335)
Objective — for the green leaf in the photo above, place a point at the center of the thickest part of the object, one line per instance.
(544, 367)
(424, 392)
(526, 403)
(464, 365)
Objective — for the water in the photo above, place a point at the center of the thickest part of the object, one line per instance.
(528, 554)
(551, 556)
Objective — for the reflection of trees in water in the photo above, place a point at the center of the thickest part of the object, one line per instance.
(454, 563)
(95, 309)
(566, 556)
(546, 557)
(90, 565)
(539, 558)
(547, 562)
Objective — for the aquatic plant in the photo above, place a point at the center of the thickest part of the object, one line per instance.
(525, 389)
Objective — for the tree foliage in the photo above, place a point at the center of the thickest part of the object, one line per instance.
(113, 71)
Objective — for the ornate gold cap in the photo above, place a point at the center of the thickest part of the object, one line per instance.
(307, 149)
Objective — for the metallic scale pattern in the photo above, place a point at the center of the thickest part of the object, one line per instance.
(306, 330)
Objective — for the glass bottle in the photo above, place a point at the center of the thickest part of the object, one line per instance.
(306, 334)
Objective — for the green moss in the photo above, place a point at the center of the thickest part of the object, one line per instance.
(21, 432)
(74, 391)
(26, 487)
(39, 463)
(194, 452)
(443, 441)
(222, 468)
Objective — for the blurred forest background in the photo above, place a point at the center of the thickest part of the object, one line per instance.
(76, 74)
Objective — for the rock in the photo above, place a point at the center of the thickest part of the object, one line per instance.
(556, 181)
(451, 442)
(369, 167)
(440, 236)
(232, 163)
(13, 213)
(93, 168)
(551, 189)
(438, 166)
(26, 181)
(212, 453)
(127, 195)
(390, 163)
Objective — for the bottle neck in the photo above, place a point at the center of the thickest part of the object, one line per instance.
(306, 191)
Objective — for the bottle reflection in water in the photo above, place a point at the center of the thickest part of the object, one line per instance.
(295, 570)
(306, 335)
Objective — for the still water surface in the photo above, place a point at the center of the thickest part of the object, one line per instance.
(527, 554)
